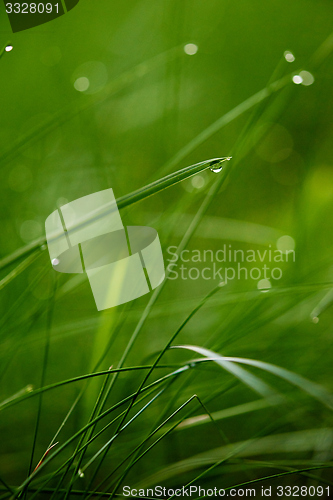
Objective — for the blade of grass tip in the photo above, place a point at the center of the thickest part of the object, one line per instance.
(246, 377)
(28, 388)
(127, 200)
(313, 389)
(97, 419)
(44, 456)
(155, 187)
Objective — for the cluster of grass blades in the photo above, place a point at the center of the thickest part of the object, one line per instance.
(142, 410)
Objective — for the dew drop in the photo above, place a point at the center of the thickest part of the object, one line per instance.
(217, 169)
(297, 79)
(315, 319)
(264, 285)
(289, 56)
(80, 473)
(9, 48)
(55, 262)
(218, 166)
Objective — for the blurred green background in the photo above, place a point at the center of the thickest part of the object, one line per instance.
(109, 95)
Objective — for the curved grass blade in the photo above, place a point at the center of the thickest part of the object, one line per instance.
(247, 378)
(129, 199)
(315, 390)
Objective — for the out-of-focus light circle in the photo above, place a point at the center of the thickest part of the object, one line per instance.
(198, 182)
(289, 56)
(190, 49)
(90, 77)
(9, 48)
(285, 243)
(307, 78)
(264, 285)
(297, 79)
(82, 84)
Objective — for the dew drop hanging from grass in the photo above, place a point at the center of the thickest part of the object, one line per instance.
(218, 166)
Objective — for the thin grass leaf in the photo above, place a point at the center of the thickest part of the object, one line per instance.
(127, 200)
(244, 376)
(315, 390)
(284, 443)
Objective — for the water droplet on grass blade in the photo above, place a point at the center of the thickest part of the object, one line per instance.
(315, 320)
(9, 48)
(297, 79)
(217, 165)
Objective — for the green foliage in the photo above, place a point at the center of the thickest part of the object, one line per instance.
(220, 382)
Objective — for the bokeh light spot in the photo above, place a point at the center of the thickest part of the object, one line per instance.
(297, 79)
(190, 49)
(285, 243)
(198, 182)
(307, 78)
(289, 56)
(81, 84)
